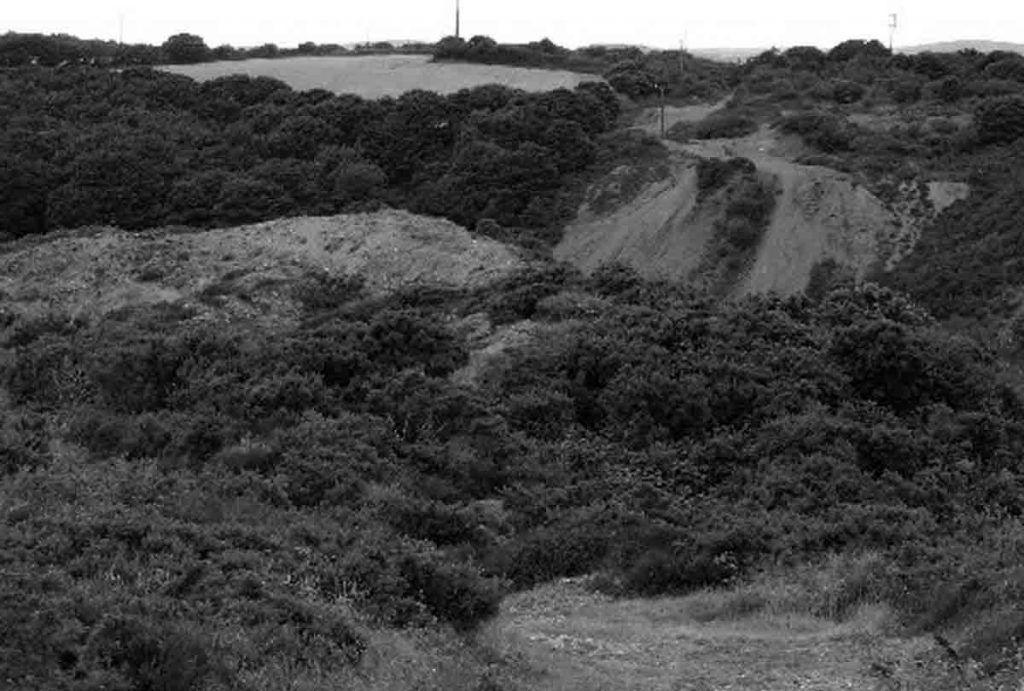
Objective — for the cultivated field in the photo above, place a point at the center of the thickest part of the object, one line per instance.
(374, 76)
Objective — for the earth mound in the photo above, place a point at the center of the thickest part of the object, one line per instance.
(247, 271)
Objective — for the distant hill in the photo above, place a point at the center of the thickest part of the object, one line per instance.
(735, 54)
(955, 46)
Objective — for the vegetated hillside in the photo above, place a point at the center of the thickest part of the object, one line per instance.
(867, 150)
(385, 75)
(299, 477)
(227, 501)
(928, 140)
(141, 148)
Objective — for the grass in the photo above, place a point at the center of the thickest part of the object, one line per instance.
(376, 76)
(838, 590)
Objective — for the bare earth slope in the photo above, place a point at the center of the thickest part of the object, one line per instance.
(820, 214)
(96, 272)
(661, 233)
(375, 76)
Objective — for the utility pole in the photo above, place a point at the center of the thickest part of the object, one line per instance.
(457, 17)
(661, 88)
(892, 30)
(120, 28)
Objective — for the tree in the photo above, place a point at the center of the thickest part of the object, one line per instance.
(848, 50)
(184, 49)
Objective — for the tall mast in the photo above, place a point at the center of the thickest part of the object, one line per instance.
(457, 9)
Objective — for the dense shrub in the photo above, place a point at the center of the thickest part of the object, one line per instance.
(1000, 120)
(724, 125)
(845, 91)
(714, 173)
(820, 130)
(238, 150)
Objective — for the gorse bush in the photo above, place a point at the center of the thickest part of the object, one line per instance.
(239, 149)
(264, 484)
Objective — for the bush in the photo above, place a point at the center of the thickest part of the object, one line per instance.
(1000, 120)
(724, 125)
(182, 49)
(714, 173)
(820, 130)
(846, 92)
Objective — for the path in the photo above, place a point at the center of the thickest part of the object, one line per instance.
(649, 119)
(580, 641)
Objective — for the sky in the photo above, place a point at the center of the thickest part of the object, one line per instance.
(572, 23)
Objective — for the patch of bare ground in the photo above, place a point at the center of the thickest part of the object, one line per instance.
(489, 345)
(244, 272)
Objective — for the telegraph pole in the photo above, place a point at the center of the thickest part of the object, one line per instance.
(661, 88)
(892, 30)
(457, 17)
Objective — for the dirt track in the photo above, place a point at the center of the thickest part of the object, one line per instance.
(819, 213)
(575, 640)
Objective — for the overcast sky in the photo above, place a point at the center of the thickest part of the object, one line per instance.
(661, 23)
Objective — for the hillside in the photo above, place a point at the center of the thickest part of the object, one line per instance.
(294, 395)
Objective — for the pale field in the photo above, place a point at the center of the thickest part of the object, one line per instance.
(375, 76)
